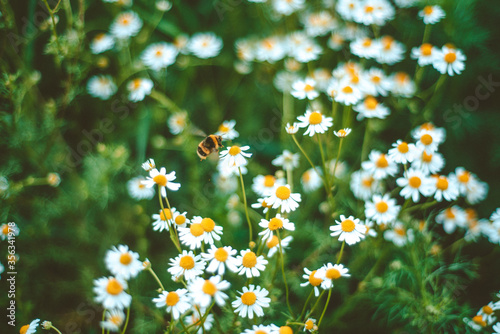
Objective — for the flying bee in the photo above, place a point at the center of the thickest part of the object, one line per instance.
(209, 145)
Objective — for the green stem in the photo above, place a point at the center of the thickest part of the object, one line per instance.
(165, 101)
(341, 252)
(326, 306)
(54, 32)
(156, 278)
(315, 304)
(245, 203)
(338, 157)
(427, 33)
(366, 140)
(306, 156)
(176, 242)
(126, 320)
(54, 328)
(289, 178)
(283, 273)
(103, 318)
(347, 117)
(306, 303)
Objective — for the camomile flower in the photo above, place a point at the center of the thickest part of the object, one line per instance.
(176, 302)
(284, 199)
(196, 316)
(424, 54)
(159, 56)
(177, 122)
(244, 50)
(488, 312)
(311, 180)
(163, 219)
(402, 152)
(179, 219)
(379, 81)
(227, 131)
(363, 184)
(31, 328)
(261, 203)
(205, 45)
(287, 7)
(261, 329)
(263, 185)
(292, 129)
(306, 52)
(186, 264)
(274, 224)
(114, 320)
(382, 209)
(274, 244)
(148, 165)
(336, 41)
(270, 49)
(181, 42)
(322, 76)
(412, 184)
(250, 264)
(449, 60)
(102, 42)
(319, 23)
(212, 231)
(370, 228)
(389, 51)
(313, 279)
(371, 108)
(203, 291)
(330, 272)
(163, 180)
(380, 165)
(139, 88)
(431, 14)
(287, 160)
(122, 262)
(126, 24)
(101, 86)
(402, 85)
(305, 89)
(451, 218)
(349, 229)
(235, 156)
(251, 301)
(427, 140)
(137, 190)
(315, 122)
(310, 325)
(7, 228)
(363, 47)
(441, 187)
(220, 258)
(428, 163)
(376, 12)
(196, 233)
(476, 191)
(347, 8)
(347, 93)
(111, 293)
(399, 235)
(284, 80)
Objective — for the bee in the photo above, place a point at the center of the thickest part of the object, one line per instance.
(209, 145)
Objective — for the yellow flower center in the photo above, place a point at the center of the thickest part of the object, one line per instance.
(387, 42)
(136, 83)
(308, 88)
(172, 298)
(414, 182)
(464, 177)
(158, 53)
(367, 42)
(166, 214)
(5, 229)
(367, 182)
(24, 329)
(426, 49)
(125, 258)
(369, 9)
(249, 260)
(381, 207)
(221, 255)
(260, 332)
(223, 128)
(180, 220)
(248, 298)
(426, 139)
(125, 20)
(450, 57)
(269, 181)
(428, 10)
(371, 103)
(116, 320)
(275, 223)
(114, 287)
(315, 118)
(209, 288)
(347, 225)
(306, 176)
(196, 229)
(187, 262)
(273, 242)
(234, 150)
(449, 213)
(342, 133)
(309, 324)
(208, 224)
(332, 273)
(347, 90)
(487, 310)
(160, 180)
(400, 231)
(285, 330)
(382, 162)
(283, 192)
(401, 77)
(478, 319)
(426, 157)
(442, 183)
(314, 281)
(403, 148)
(376, 79)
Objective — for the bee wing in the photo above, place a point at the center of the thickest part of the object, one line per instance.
(197, 132)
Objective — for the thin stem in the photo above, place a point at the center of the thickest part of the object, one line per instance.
(54, 32)
(156, 278)
(325, 171)
(289, 178)
(326, 306)
(305, 155)
(283, 273)
(306, 303)
(103, 317)
(245, 203)
(170, 229)
(427, 33)
(347, 117)
(315, 304)
(126, 320)
(341, 252)
(338, 157)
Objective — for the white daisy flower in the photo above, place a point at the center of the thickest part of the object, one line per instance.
(476, 191)
(31, 328)
(176, 302)
(186, 264)
(235, 156)
(203, 291)
(7, 228)
(424, 54)
(195, 317)
(101, 86)
(274, 224)
(336, 41)
(196, 233)
(428, 163)
(363, 184)
(292, 129)
(227, 131)
(363, 47)
(137, 190)
(330, 272)
(390, 51)
(402, 152)
(122, 262)
(287, 7)
(370, 228)
(441, 187)
(451, 218)
(432, 14)
(379, 81)
(263, 185)
(212, 231)
(346, 93)
(319, 23)
(205, 45)
(163, 219)
(251, 301)
(488, 312)
(126, 25)
(380, 165)
(311, 180)
(305, 89)
(313, 279)
(376, 12)
(310, 325)
(284, 199)
(149, 165)
(347, 8)
(402, 85)
(270, 49)
(163, 180)
(274, 245)
(399, 235)
(261, 329)
(322, 76)
(220, 258)
(102, 42)
(250, 264)
(159, 56)
(261, 203)
(139, 88)
(349, 229)
(287, 160)
(371, 108)
(111, 293)
(179, 218)
(427, 140)
(412, 184)
(449, 60)
(315, 122)
(177, 122)
(114, 320)
(382, 209)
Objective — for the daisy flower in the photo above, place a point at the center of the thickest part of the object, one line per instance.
(412, 184)
(402, 152)
(390, 51)
(7, 228)
(347, 93)
(201, 229)
(163, 180)
(139, 88)
(319, 23)
(315, 122)
(370, 228)
(380, 165)
(371, 108)
(177, 122)
(402, 85)
(451, 218)
(194, 319)
(176, 302)
(302, 89)
(111, 293)
(284, 199)
(101, 86)
(378, 80)
(428, 140)
(114, 320)
(449, 60)
(163, 219)
(399, 235)
(227, 131)
(424, 54)
(186, 264)
(159, 56)
(122, 262)
(287, 7)
(252, 300)
(270, 49)
(126, 25)
(202, 291)
(336, 41)
(363, 184)
(311, 180)
(274, 224)
(205, 45)
(349, 229)
(292, 129)
(476, 191)
(263, 185)
(180, 219)
(102, 42)
(306, 52)
(220, 258)
(363, 47)
(342, 133)
(382, 209)
(261, 203)
(488, 312)
(310, 325)
(287, 160)
(441, 187)
(137, 190)
(428, 163)
(347, 8)
(313, 279)
(330, 272)
(235, 156)
(250, 264)
(274, 244)
(261, 329)
(31, 328)
(431, 14)
(149, 165)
